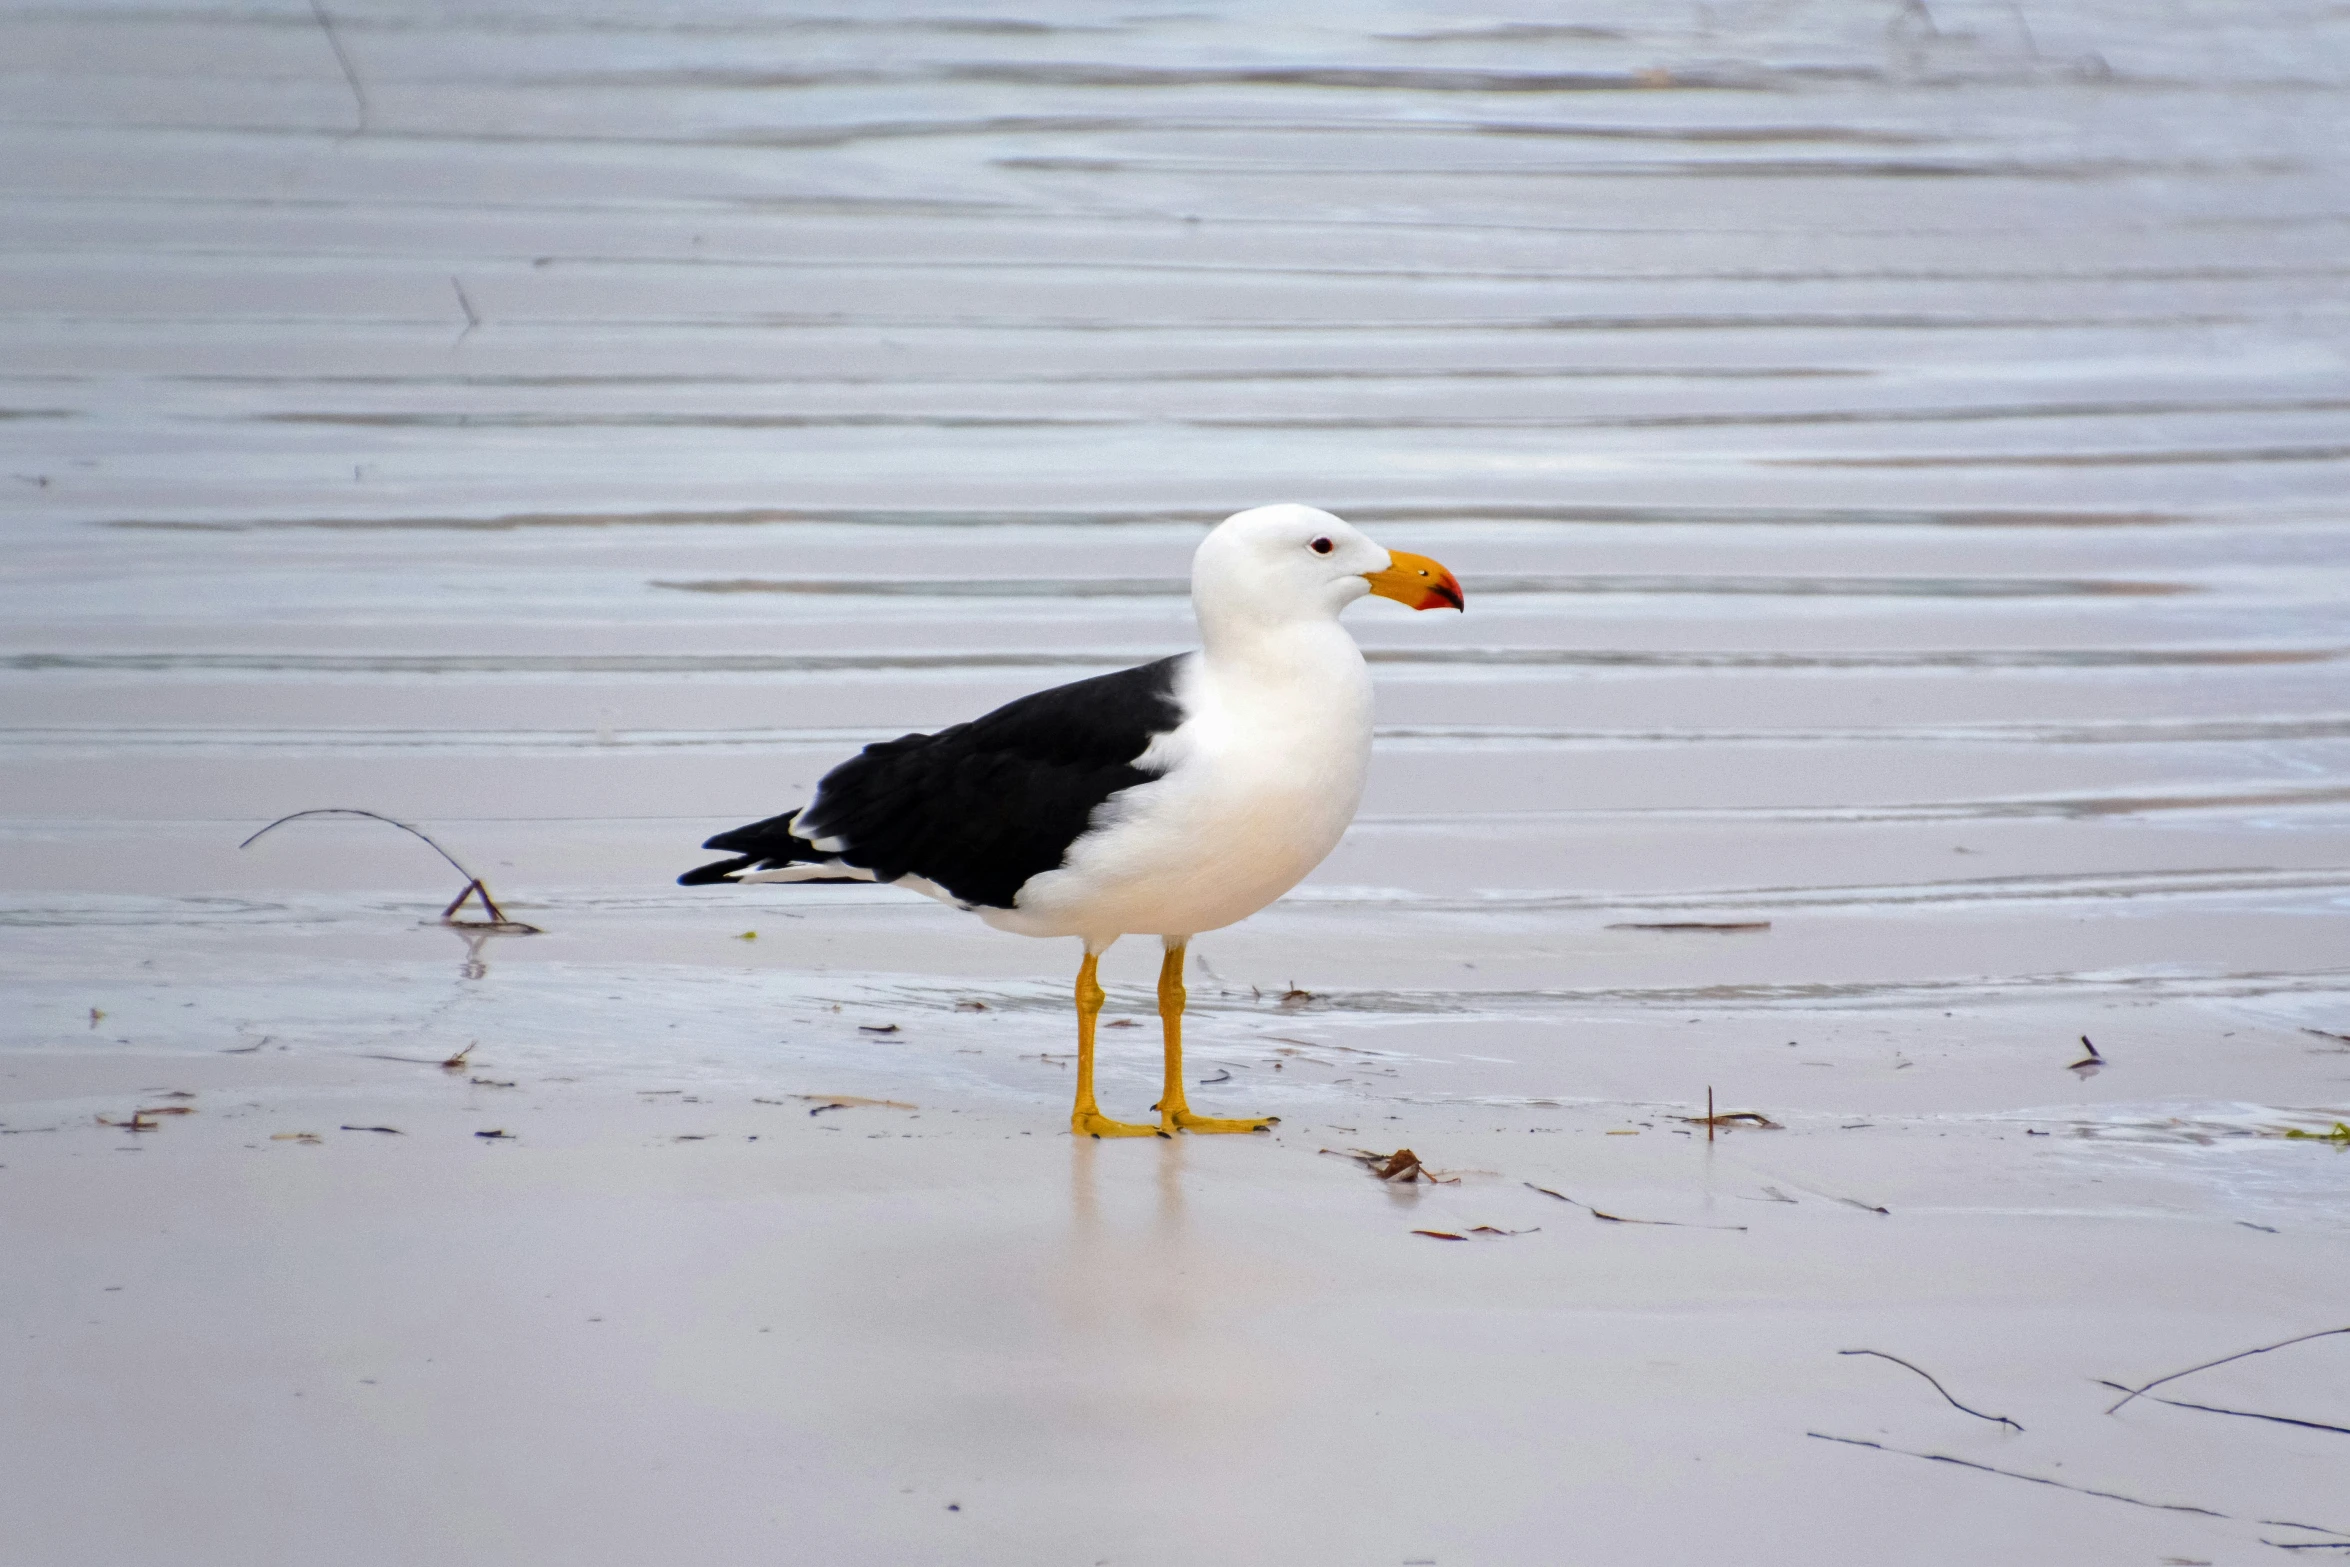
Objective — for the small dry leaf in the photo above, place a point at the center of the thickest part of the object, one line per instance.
(1401, 1165)
(877, 1028)
(1440, 1235)
(295, 1137)
(1121, 1022)
(500, 1132)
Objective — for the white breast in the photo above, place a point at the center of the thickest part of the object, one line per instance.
(1261, 780)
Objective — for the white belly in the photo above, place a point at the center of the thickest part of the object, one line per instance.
(1262, 785)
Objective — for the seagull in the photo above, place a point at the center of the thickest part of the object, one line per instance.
(1173, 798)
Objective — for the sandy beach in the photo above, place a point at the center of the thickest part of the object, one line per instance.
(1895, 459)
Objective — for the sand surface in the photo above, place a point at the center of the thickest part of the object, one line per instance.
(1895, 457)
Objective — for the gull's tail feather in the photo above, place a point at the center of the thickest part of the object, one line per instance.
(768, 846)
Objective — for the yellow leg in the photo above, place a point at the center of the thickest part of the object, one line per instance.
(1174, 1113)
(1087, 1119)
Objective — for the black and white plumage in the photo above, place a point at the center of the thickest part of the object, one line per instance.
(1166, 800)
(971, 813)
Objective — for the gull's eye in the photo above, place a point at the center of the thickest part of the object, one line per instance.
(1321, 546)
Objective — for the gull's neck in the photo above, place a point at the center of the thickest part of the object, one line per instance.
(1266, 649)
(1303, 669)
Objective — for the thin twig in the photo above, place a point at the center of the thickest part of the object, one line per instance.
(334, 41)
(1938, 1387)
(1617, 1218)
(346, 810)
(474, 886)
(2242, 1354)
(472, 316)
(1968, 1463)
(2213, 1409)
(2111, 1496)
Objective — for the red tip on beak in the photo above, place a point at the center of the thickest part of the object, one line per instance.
(1417, 581)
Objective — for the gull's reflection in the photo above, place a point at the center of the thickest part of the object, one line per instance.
(1122, 1283)
(477, 963)
(1173, 1153)
(1085, 1217)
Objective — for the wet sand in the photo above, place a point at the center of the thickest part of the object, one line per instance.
(1895, 459)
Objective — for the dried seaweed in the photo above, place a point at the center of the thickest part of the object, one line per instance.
(826, 1102)
(2013, 1474)
(1938, 1387)
(1617, 1218)
(2213, 1409)
(1730, 1119)
(2242, 1354)
(334, 41)
(1403, 1165)
(474, 887)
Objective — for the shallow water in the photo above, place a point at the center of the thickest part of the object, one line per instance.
(1895, 456)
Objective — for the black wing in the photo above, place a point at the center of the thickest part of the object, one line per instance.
(979, 808)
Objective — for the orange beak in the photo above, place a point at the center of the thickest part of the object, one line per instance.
(1417, 581)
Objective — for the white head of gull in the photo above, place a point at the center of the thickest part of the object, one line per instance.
(1164, 800)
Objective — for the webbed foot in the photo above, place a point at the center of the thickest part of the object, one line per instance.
(1185, 1121)
(1092, 1123)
